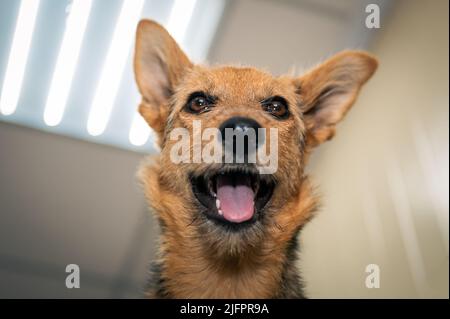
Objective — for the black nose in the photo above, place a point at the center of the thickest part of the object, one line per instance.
(240, 135)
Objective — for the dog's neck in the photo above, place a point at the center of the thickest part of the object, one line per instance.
(186, 269)
(186, 272)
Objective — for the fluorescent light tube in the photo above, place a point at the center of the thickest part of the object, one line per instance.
(113, 67)
(139, 132)
(67, 60)
(179, 18)
(18, 56)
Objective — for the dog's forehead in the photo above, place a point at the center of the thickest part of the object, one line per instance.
(242, 82)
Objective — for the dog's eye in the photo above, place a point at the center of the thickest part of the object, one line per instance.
(199, 102)
(276, 106)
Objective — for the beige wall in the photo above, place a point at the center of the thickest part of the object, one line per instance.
(384, 178)
(65, 201)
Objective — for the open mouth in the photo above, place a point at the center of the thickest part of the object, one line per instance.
(233, 196)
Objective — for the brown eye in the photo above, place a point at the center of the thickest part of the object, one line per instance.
(276, 106)
(199, 102)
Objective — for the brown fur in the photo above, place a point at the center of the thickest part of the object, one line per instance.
(198, 259)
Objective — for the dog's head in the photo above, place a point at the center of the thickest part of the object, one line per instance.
(235, 205)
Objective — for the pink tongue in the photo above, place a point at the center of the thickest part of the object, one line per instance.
(236, 199)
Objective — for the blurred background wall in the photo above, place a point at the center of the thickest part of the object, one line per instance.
(69, 198)
(385, 176)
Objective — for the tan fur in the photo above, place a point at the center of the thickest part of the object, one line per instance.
(198, 260)
(192, 272)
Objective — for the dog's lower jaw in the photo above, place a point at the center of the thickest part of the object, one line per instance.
(186, 269)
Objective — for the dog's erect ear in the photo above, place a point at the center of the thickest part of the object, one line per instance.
(330, 89)
(159, 64)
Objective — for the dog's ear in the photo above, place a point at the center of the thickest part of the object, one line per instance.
(330, 89)
(159, 64)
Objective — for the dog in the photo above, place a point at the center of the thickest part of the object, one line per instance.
(228, 231)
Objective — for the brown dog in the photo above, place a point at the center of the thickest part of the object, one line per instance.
(244, 247)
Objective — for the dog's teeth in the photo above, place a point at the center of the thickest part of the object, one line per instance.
(218, 204)
(220, 212)
(214, 194)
